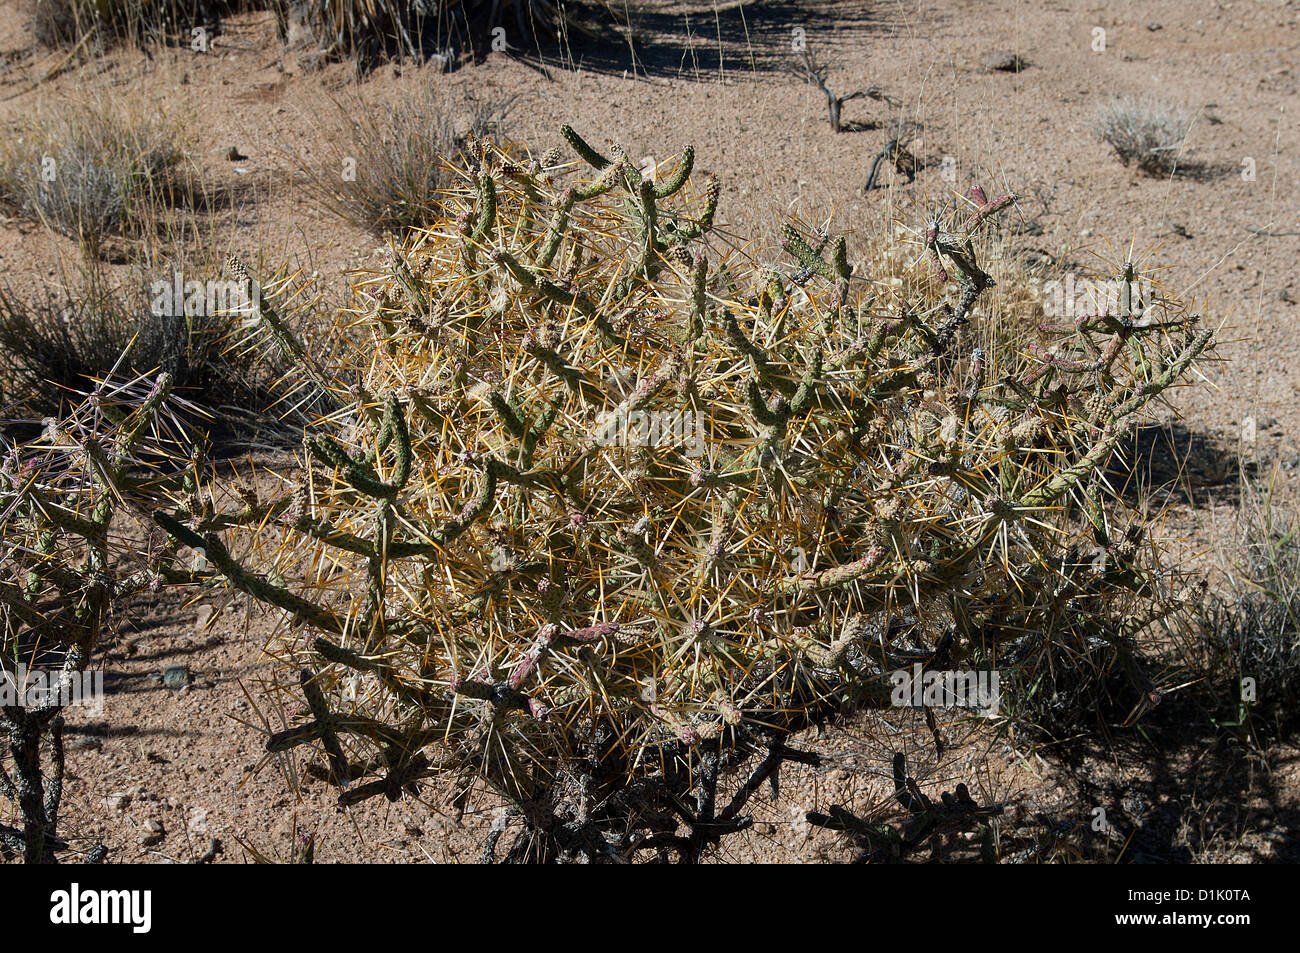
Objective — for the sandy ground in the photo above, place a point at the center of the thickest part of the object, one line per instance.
(705, 73)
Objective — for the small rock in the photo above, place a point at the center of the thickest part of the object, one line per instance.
(1155, 26)
(87, 744)
(153, 826)
(1003, 61)
(117, 801)
(199, 820)
(151, 838)
(176, 677)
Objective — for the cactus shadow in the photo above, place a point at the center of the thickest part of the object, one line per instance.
(1204, 171)
(1186, 465)
(1183, 792)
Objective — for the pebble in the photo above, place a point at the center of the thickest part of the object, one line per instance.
(176, 677)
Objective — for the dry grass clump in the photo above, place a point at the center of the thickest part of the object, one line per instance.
(385, 173)
(68, 23)
(366, 31)
(58, 342)
(93, 173)
(1145, 132)
(1252, 628)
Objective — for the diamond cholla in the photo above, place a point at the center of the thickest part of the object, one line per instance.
(497, 588)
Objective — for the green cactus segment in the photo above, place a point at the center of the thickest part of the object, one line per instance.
(674, 183)
(485, 227)
(804, 254)
(254, 585)
(631, 484)
(584, 151)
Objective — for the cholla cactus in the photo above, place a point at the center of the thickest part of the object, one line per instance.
(64, 563)
(614, 506)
